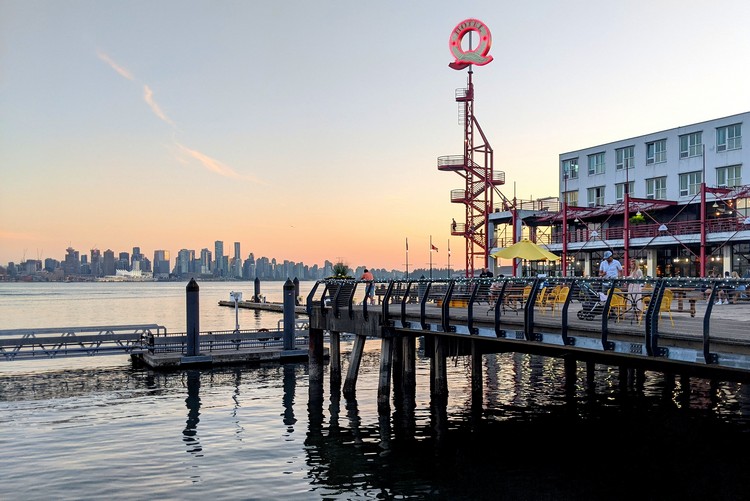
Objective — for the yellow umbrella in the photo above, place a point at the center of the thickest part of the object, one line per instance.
(525, 249)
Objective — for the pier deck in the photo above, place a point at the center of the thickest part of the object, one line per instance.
(669, 325)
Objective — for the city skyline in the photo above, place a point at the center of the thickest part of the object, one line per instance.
(313, 129)
(173, 255)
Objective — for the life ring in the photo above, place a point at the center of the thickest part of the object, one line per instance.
(478, 56)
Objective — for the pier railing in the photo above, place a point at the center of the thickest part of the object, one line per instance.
(610, 315)
(211, 341)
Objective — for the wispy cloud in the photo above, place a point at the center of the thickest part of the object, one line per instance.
(213, 165)
(119, 69)
(148, 96)
(207, 162)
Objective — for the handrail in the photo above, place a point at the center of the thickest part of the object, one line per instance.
(453, 292)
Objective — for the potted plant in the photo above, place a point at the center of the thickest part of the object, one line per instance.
(340, 271)
(638, 219)
(340, 282)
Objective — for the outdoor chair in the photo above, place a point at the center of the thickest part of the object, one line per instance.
(665, 307)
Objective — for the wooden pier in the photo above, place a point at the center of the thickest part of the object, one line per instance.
(669, 326)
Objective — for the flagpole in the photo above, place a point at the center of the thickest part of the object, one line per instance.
(430, 257)
(407, 258)
(449, 258)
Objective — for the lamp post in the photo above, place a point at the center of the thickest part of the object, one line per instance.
(626, 222)
(565, 223)
(703, 216)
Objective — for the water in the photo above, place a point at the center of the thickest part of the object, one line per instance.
(99, 428)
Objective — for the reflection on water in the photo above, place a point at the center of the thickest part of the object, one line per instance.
(625, 434)
(193, 403)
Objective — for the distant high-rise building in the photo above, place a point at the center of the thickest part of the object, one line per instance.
(108, 262)
(96, 263)
(161, 264)
(248, 267)
(51, 264)
(185, 259)
(219, 269)
(123, 261)
(205, 266)
(136, 256)
(237, 250)
(72, 263)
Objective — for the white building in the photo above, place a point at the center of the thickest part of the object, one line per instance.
(675, 200)
(666, 165)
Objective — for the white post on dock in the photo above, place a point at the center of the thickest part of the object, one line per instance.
(236, 297)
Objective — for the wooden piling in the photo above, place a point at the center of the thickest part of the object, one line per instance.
(356, 358)
(409, 377)
(439, 374)
(571, 374)
(397, 370)
(384, 381)
(476, 374)
(591, 374)
(315, 356)
(335, 360)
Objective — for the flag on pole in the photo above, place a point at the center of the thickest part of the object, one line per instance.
(407, 244)
(433, 248)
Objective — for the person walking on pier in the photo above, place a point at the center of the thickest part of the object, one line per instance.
(610, 267)
(368, 277)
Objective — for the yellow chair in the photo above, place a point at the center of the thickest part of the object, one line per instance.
(526, 293)
(560, 298)
(665, 307)
(547, 299)
(618, 304)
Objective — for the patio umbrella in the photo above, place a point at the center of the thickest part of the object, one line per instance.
(525, 249)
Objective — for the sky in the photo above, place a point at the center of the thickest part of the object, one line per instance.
(310, 131)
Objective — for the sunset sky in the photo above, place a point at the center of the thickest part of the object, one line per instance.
(310, 130)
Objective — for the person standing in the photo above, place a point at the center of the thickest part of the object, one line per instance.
(635, 270)
(368, 277)
(610, 267)
(635, 289)
(486, 273)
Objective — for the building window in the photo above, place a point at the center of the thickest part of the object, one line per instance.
(656, 152)
(625, 158)
(656, 188)
(596, 196)
(690, 183)
(729, 137)
(691, 145)
(571, 197)
(596, 164)
(729, 176)
(570, 168)
(620, 191)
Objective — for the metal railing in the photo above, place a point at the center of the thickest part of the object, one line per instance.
(585, 315)
(54, 342)
(224, 340)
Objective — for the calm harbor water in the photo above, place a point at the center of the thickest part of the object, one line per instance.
(100, 428)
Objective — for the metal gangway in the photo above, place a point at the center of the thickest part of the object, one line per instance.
(54, 342)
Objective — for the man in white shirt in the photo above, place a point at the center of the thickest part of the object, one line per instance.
(610, 267)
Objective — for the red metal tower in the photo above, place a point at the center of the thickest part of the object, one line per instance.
(476, 167)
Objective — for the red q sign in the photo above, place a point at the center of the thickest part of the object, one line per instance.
(476, 56)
